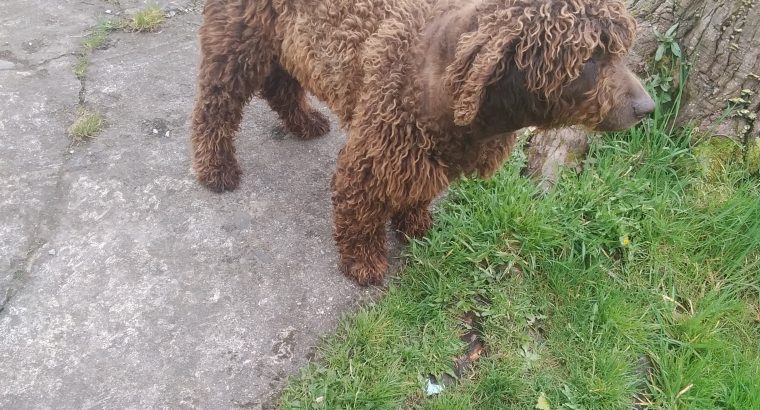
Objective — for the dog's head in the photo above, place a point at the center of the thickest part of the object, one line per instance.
(561, 61)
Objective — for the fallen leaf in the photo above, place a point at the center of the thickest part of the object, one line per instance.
(543, 403)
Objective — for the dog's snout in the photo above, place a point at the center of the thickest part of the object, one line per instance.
(643, 106)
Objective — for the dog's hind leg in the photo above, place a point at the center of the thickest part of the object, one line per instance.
(223, 90)
(216, 119)
(237, 54)
(287, 98)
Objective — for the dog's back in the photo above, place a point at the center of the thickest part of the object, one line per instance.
(326, 44)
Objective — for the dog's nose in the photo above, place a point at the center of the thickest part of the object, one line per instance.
(643, 106)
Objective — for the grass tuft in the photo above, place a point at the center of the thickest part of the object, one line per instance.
(87, 125)
(753, 157)
(94, 40)
(147, 20)
(99, 34)
(81, 66)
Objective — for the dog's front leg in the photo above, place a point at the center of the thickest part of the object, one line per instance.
(414, 221)
(359, 214)
(492, 154)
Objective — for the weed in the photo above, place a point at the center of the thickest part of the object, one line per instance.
(94, 40)
(98, 36)
(147, 19)
(668, 66)
(87, 125)
(81, 66)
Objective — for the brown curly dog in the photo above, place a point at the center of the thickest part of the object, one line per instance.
(428, 90)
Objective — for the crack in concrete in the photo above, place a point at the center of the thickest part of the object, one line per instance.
(51, 59)
(50, 215)
(20, 273)
(82, 91)
(25, 64)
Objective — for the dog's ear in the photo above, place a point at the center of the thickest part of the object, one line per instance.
(549, 42)
(478, 61)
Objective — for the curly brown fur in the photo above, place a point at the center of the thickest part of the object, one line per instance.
(427, 90)
(413, 222)
(288, 99)
(537, 38)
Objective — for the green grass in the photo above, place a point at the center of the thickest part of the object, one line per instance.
(147, 19)
(94, 40)
(81, 66)
(99, 34)
(87, 125)
(633, 284)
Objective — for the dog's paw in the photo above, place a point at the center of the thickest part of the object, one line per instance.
(309, 125)
(220, 178)
(366, 274)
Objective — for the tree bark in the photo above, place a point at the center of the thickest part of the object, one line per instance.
(551, 150)
(720, 42)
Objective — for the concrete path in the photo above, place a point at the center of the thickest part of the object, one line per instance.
(123, 283)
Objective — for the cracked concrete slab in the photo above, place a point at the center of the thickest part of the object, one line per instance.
(38, 96)
(124, 283)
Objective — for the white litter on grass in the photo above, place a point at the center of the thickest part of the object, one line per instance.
(433, 388)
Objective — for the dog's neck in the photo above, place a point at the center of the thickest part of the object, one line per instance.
(436, 51)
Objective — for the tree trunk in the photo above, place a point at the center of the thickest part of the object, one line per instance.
(551, 150)
(720, 42)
